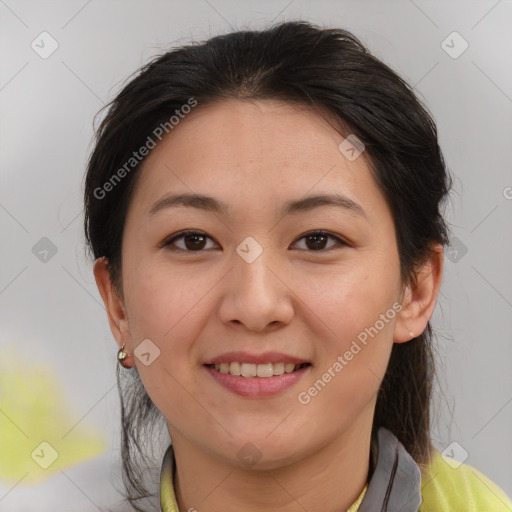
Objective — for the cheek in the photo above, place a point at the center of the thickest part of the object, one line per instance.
(155, 306)
(348, 300)
(357, 318)
(163, 311)
(165, 307)
(163, 303)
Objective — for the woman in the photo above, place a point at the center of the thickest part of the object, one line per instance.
(265, 213)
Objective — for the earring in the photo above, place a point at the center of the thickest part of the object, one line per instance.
(125, 359)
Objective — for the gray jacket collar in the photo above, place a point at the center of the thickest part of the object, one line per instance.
(395, 485)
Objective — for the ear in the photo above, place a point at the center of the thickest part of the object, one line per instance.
(114, 305)
(420, 298)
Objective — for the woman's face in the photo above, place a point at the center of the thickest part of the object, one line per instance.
(251, 286)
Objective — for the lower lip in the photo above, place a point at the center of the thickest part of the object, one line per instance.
(257, 387)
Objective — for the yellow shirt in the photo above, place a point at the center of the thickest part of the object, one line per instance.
(462, 489)
(443, 489)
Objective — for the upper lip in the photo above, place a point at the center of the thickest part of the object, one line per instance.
(246, 357)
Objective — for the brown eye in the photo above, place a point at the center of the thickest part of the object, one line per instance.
(317, 240)
(193, 241)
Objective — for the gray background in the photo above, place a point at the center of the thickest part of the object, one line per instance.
(51, 312)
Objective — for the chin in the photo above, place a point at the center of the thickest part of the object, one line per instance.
(261, 453)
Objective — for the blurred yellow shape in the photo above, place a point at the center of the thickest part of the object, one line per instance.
(40, 431)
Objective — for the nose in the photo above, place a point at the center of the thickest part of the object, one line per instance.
(256, 294)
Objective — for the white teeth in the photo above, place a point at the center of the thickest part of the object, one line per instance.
(289, 367)
(265, 370)
(278, 368)
(235, 368)
(248, 370)
(256, 370)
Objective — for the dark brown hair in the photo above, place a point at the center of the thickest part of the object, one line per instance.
(332, 71)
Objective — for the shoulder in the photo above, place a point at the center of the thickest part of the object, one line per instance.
(449, 486)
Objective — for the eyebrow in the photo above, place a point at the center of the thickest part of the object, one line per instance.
(210, 204)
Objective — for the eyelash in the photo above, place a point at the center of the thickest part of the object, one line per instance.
(169, 241)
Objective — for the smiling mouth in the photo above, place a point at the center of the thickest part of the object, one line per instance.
(250, 370)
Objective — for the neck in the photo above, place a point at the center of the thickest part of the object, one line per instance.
(329, 479)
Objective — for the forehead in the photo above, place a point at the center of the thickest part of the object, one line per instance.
(245, 129)
(260, 152)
